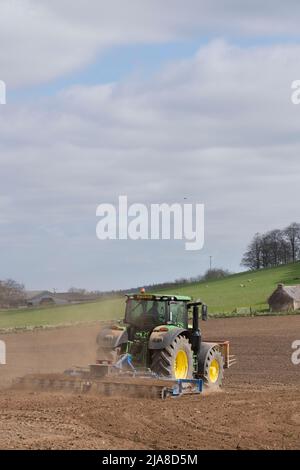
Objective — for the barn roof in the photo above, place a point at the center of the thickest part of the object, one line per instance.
(37, 293)
(293, 292)
(68, 296)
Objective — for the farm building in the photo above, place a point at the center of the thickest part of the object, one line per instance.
(40, 298)
(34, 299)
(285, 298)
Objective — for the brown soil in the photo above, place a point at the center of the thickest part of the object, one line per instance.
(259, 406)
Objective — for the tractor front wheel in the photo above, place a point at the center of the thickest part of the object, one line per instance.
(175, 361)
(213, 370)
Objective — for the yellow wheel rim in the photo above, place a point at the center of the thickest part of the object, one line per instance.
(214, 370)
(181, 365)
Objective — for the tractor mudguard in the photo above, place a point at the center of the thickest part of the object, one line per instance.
(161, 337)
(112, 337)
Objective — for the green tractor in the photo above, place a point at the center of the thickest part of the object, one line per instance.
(161, 334)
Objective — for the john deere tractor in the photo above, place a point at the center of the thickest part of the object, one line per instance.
(159, 339)
(161, 333)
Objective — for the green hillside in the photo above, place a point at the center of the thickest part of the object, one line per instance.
(222, 296)
(226, 295)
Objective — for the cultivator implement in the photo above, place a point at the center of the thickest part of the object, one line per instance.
(120, 378)
(143, 387)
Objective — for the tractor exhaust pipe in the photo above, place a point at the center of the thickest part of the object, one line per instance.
(195, 318)
(196, 334)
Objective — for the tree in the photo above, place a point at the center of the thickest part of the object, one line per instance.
(285, 251)
(12, 294)
(292, 234)
(252, 259)
(216, 273)
(273, 248)
(77, 290)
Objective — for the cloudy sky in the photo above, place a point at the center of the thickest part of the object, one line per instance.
(160, 101)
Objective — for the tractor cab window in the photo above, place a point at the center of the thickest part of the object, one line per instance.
(178, 314)
(145, 314)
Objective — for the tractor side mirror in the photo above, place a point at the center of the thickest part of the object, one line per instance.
(204, 312)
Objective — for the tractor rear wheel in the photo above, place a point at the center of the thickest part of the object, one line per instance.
(175, 361)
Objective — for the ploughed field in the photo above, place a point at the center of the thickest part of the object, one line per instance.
(258, 408)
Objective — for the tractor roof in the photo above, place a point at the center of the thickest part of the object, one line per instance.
(146, 296)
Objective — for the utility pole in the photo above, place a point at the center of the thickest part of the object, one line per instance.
(210, 263)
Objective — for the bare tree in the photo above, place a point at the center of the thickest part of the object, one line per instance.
(273, 248)
(77, 290)
(285, 251)
(292, 233)
(252, 258)
(12, 294)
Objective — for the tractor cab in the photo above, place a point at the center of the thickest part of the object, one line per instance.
(146, 311)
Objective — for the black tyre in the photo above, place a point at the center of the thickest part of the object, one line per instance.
(213, 368)
(175, 361)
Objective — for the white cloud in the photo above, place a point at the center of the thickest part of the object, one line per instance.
(41, 41)
(218, 128)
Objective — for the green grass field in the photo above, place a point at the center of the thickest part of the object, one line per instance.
(104, 310)
(222, 297)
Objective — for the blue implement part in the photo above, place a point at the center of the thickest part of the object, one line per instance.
(178, 388)
(126, 359)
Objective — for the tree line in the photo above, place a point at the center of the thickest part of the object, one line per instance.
(273, 248)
